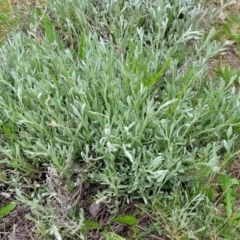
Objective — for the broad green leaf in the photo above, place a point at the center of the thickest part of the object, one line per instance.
(229, 199)
(225, 182)
(228, 182)
(7, 209)
(229, 193)
(130, 220)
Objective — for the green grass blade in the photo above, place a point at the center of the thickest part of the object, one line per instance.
(51, 34)
(159, 73)
(81, 46)
(49, 31)
(58, 40)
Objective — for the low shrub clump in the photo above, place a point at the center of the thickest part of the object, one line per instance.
(111, 101)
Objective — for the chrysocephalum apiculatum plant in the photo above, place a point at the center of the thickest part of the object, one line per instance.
(118, 90)
(114, 100)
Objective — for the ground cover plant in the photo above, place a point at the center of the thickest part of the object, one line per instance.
(112, 126)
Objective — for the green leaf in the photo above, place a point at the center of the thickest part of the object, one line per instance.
(210, 193)
(58, 40)
(225, 182)
(229, 200)
(81, 46)
(159, 73)
(229, 192)
(226, 145)
(229, 132)
(228, 182)
(234, 181)
(130, 220)
(51, 34)
(49, 31)
(219, 218)
(236, 216)
(7, 209)
(88, 225)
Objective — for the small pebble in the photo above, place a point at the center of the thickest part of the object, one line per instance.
(94, 208)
